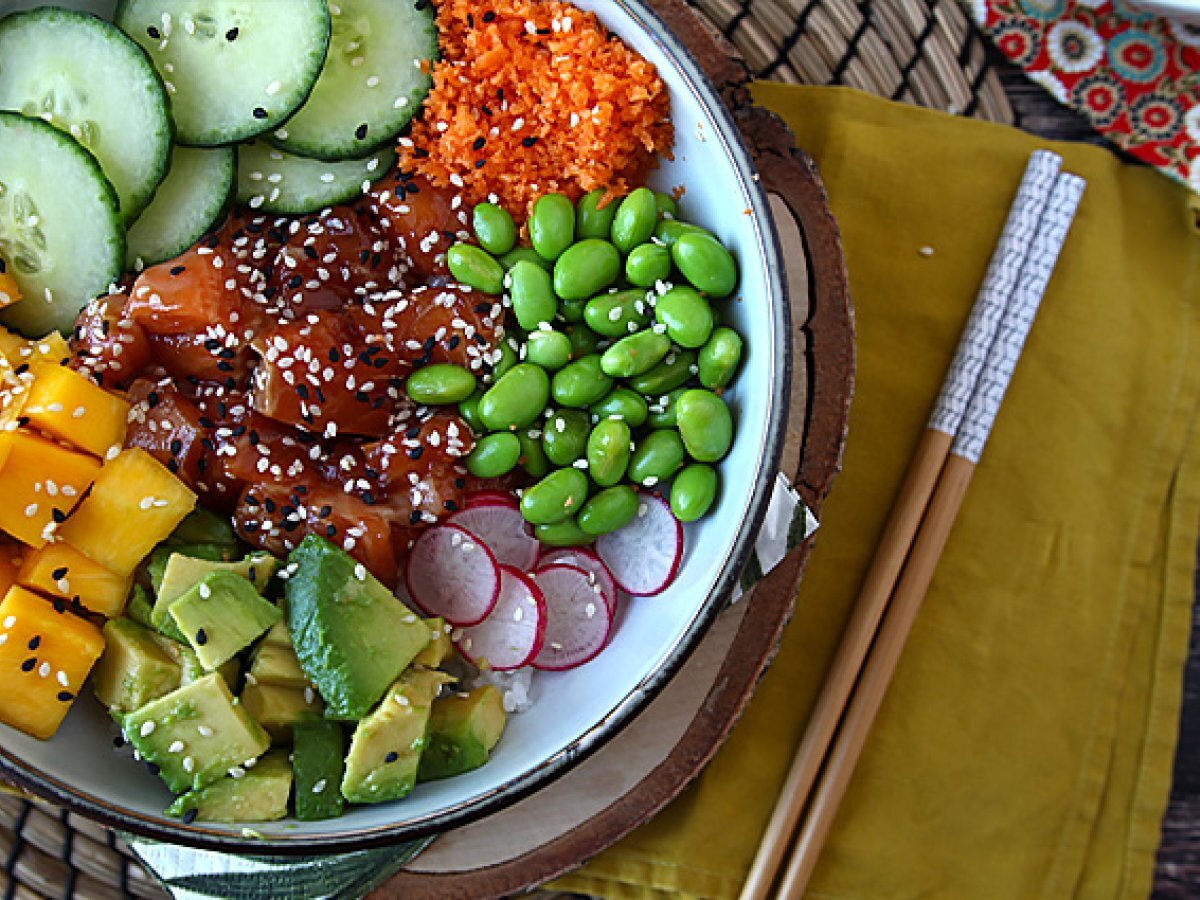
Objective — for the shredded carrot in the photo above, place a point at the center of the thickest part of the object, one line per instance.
(535, 96)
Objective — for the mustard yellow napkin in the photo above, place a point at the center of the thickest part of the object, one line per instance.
(1025, 747)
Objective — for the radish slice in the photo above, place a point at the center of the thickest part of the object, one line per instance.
(514, 631)
(644, 556)
(489, 498)
(452, 574)
(578, 618)
(582, 558)
(505, 532)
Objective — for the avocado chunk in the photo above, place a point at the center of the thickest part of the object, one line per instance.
(463, 729)
(278, 709)
(203, 526)
(190, 668)
(195, 734)
(139, 607)
(275, 662)
(182, 572)
(318, 758)
(133, 669)
(352, 636)
(386, 746)
(258, 794)
(156, 566)
(221, 615)
(439, 648)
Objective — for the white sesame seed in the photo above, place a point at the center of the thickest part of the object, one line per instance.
(147, 728)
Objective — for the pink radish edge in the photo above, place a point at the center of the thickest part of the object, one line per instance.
(505, 532)
(583, 558)
(644, 556)
(441, 567)
(521, 607)
(489, 498)
(572, 636)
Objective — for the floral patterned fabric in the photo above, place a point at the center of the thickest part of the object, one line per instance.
(1135, 76)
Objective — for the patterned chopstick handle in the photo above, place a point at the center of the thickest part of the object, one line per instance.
(998, 286)
(1018, 318)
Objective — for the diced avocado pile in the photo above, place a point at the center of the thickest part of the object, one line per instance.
(222, 662)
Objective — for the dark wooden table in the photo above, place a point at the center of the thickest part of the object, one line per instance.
(1177, 873)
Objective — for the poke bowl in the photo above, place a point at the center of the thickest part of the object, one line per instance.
(657, 580)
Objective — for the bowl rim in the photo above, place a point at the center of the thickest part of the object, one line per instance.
(695, 80)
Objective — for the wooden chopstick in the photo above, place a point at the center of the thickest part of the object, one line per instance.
(907, 512)
(932, 534)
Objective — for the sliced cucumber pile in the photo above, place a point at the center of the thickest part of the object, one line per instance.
(197, 192)
(60, 225)
(375, 77)
(273, 181)
(84, 77)
(234, 68)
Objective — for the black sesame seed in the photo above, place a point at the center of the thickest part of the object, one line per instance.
(479, 163)
(415, 452)
(414, 517)
(28, 665)
(154, 33)
(190, 816)
(489, 16)
(119, 741)
(201, 638)
(152, 399)
(153, 767)
(58, 515)
(331, 531)
(367, 498)
(391, 757)
(35, 642)
(65, 696)
(453, 342)
(176, 446)
(259, 112)
(60, 605)
(450, 505)
(231, 34)
(60, 572)
(324, 512)
(361, 131)
(528, 141)
(479, 143)
(460, 483)
(178, 270)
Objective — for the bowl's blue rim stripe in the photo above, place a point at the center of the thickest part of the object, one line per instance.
(482, 804)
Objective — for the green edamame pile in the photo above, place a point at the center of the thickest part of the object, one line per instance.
(612, 374)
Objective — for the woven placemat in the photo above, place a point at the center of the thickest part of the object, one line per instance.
(924, 52)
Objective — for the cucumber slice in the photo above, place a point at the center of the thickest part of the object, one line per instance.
(233, 68)
(60, 227)
(196, 193)
(270, 180)
(83, 76)
(371, 84)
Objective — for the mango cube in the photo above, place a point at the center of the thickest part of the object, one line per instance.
(52, 349)
(71, 407)
(60, 570)
(10, 292)
(135, 503)
(40, 482)
(10, 564)
(45, 656)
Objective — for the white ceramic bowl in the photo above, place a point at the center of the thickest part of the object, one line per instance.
(1186, 11)
(576, 711)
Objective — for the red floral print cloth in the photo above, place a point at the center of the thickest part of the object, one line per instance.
(1135, 76)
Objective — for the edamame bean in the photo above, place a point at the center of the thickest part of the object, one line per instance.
(475, 268)
(656, 458)
(668, 231)
(585, 268)
(562, 534)
(624, 404)
(583, 340)
(666, 205)
(494, 227)
(635, 220)
(514, 256)
(557, 497)
(552, 225)
(508, 359)
(688, 317)
(618, 314)
(635, 354)
(494, 455)
(706, 263)
(469, 410)
(693, 492)
(533, 458)
(608, 452)
(648, 264)
(517, 399)
(662, 410)
(581, 383)
(705, 424)
(549, 349)
(719, 358)
(532, 294)
(572, 310)
(439, 384)
(565, 436)
(672, 372)
(609, 510)
(592, 221)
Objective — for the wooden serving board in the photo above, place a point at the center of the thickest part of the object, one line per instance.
(653, 759)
